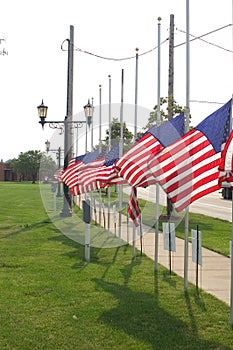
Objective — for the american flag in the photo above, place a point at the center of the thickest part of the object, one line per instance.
(69, 175)
(98, 174)
(133, 207)
(226, 163)
(189, 168)
(91, 161)
(133, 165)
(58, 174)
(83, 162)
(84, 188)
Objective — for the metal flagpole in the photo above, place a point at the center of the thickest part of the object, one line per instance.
(135, 136)
(157, 185)
(77, 143)
(100, 145)
(187, 113)
(92, 146)
(231, 291)
(136, 97)
(121, 152)
(109, 146)
(110, 110)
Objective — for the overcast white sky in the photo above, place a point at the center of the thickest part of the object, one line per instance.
(36, 67)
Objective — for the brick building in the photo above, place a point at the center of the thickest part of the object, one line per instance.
(6, 173)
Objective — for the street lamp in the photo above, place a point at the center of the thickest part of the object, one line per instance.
(42, 111)
(58, 154)
(47, 144)
(63, 126)
(89, 111)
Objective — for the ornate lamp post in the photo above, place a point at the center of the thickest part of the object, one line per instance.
(47, 144)
(89, 110)
(63, 126)
(58, 154)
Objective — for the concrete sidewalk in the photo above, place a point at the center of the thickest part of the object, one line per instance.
(214, 274)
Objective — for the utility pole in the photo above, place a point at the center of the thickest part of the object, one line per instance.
(69, 107)
(171, 69)
(68, 134)
(170, 87)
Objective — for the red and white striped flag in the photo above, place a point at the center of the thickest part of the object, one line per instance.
(133, 207)
(84, 188)
(81, 163)
(133, 165)
(226, 163)
(98, 174)
(189, 168)
(58, 174)
(69, 175)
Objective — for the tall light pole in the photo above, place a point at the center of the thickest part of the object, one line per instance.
(58, 154)
(63, 126)
(66, 124)
(92, 126)
(89, 110)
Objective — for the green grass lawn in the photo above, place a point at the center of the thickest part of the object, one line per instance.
(51, 298)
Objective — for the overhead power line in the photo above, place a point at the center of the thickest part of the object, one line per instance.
(210, 102)
(200, 37)
(119, 59)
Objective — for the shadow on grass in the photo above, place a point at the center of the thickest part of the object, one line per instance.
(146, 320)
(65, 240)
(79, 253)
(199, 302)
(24, 227)
(167, 277)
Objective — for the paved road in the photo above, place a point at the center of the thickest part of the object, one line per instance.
(212, 205)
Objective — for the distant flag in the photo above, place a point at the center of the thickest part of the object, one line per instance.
(99, 174)
(83, 162)
(69, 175)
(91, 161)
(133, 207)
(58, 174)
(226, 163)
(133, 165)
(189, 168)
(107, 174)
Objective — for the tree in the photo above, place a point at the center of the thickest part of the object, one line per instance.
(172, 109)
(48, 167)
(116, 133)
(176, 109)
(27, 164)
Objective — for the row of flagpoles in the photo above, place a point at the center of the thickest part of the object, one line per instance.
(191, 166)
(186, 170)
